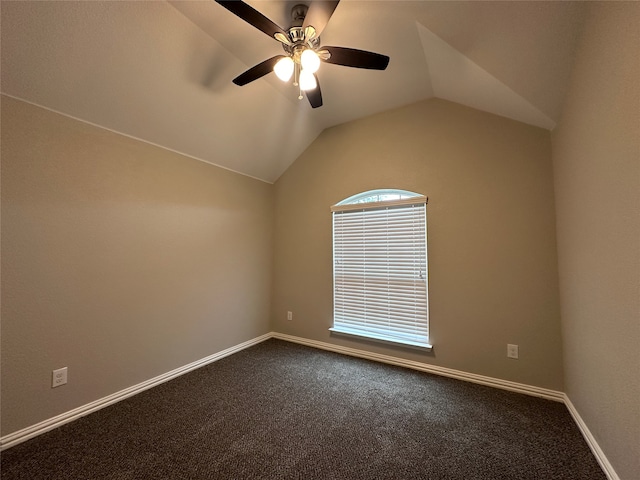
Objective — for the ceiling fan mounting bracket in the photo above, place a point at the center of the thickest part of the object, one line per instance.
(298, 13)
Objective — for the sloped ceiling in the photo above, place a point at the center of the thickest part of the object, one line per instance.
(162, 71)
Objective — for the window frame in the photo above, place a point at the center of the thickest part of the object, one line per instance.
(398, 330)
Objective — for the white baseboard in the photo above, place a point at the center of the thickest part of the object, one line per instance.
(39, 428)
(607, 468)
(59, 420)
(443, 371)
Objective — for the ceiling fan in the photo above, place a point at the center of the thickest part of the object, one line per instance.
(301, 43)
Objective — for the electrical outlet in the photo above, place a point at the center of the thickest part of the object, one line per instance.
(289, 316)
(512, 351)
(59, 377)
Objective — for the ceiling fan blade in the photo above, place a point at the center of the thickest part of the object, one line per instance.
(315, 95)
(350, 57)
(260, 70)
(319, 14)
(252, 16)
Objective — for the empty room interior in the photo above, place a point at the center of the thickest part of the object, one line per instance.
(162, 215)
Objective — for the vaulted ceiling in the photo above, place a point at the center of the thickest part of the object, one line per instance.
(161, 71)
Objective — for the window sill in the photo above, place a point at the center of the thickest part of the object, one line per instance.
(425, 347)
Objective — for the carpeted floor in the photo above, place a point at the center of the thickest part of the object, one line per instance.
(284, 411)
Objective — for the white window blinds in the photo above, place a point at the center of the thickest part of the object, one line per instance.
(380, 270)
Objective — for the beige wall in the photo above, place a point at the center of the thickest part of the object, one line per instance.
(491, 234)
(596, 155)
(120, 260)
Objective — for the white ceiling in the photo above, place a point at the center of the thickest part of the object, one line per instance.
(162, 72)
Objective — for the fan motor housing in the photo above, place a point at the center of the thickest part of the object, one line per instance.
(296, 33)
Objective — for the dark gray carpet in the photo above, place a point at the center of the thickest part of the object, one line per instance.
(285, 411)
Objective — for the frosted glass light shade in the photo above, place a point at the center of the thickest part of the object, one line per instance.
(307, 80)
(284, 68)
(310, 61)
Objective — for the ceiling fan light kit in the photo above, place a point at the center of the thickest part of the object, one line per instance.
(284, 68)
(310, 61)
(307, 81)
(301, 43)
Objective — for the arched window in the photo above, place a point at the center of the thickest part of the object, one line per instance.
(380, 267)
